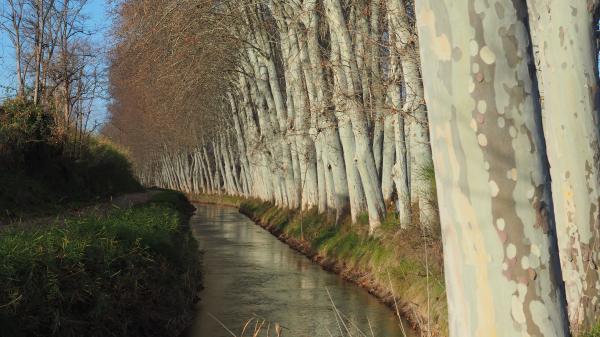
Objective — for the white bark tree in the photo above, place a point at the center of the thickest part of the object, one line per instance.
(502, 277)
(564, 33)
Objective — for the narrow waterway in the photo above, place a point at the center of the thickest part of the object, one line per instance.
(248, 273)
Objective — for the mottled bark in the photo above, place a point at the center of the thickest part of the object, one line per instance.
(568, 75)
(502, 278)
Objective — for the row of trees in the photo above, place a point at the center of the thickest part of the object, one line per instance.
(518, 183)
(56, 65)
(310, 107)
(321, 103)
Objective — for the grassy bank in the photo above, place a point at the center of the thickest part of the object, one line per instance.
(217, 199)
(100, 171)
(595, 332)
(131, 272)
(392, 267)
(44, 167)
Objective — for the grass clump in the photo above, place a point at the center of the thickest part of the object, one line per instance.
(173, 199)
(133, 272)
(218, 199)
(595, 332)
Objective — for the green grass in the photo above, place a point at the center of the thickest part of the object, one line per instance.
(395, 261)
(133, 272)
(595, 332)
(57, 182)
(218, 199)
(44, 168)
(173, 199)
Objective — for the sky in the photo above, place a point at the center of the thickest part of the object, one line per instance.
(98, 22)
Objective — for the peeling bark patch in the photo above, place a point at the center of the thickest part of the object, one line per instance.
(511, 251)
(501, 224)
(482, 106)
(487, 55)
(561, 36)
(482, 139)
(501, 122)
(525, 263)
(443, 48)
(457, 54)
(499, 10)
(517, 310)
(542, 215)
(494, 189)
(474, 47)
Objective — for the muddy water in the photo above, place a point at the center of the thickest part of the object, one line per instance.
(248, 273)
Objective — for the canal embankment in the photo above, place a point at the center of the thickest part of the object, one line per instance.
(129, 268)
(253, 279)
(403, 271)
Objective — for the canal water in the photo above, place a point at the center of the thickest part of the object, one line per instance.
(249, 274)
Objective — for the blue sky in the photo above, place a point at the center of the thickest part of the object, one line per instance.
(99, 22)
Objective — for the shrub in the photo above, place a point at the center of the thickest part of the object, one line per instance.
(174, 199)
(26, 132)
(100, 171)
(134, 272)
(105, 169)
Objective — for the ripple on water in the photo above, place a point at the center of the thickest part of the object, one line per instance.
(249, 273)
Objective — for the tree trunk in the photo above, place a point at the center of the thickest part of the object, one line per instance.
(349, 83)
(346, 136)
(414, 107)
(502, 277)
(569, 78)
(328, 139)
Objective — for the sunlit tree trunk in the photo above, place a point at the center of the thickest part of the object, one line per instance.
(377, 94)
(268, 77)
(211, 173)
(414, 107)
(306, 148)
(266, 109)
(569, 77)
(502, 277)
(349, 83)
(227, 165)
(328, 139)
(241, 142)
(14, 28)
(201, 176)
(355, 189)
(400, 166)
(389, 155)
(293, 193)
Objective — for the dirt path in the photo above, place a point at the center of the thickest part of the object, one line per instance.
(100, 209)
(133, 199)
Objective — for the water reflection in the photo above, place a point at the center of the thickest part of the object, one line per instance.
(249, 273)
